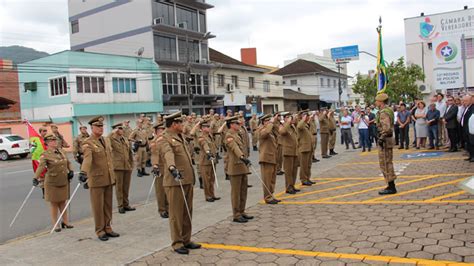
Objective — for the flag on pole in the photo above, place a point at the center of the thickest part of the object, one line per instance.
(38, 146)
(382, 77)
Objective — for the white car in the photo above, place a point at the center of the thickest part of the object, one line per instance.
(11, 145)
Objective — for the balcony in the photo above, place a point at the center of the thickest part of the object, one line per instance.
(199, 4)
(181, 32)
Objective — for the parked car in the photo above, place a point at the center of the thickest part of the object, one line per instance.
(12, 145)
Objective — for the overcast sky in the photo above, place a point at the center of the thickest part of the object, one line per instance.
(279, 29)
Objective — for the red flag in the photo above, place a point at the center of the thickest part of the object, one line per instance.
(38, 147)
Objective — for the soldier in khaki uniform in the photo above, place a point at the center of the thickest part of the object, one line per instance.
(123, 165)
(77, 144)
(305, 148)
(127, 130)
(237, 168)
(244, 134)
(253, 123)
(332, 132)
(289, 141)
(324, 132)
(158, 163)
(385, 122)
(139, 138)
(60, 139)
(279, 153)
(56, 180)
(267, 133)
(208, 152)
(98, 171)
(314, 132)
(178, 180)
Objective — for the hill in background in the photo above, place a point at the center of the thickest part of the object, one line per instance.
(20, 54)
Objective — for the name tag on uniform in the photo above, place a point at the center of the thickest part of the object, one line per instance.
(467, 185)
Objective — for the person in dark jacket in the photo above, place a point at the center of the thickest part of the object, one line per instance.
(451, 122)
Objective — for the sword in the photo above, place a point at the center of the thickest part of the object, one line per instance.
(151, 188)
(185, 201)
(22, 205)
(261, 180)
(65, 207)
(215, 174)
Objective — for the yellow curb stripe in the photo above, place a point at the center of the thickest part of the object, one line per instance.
(404, 161)
(415, 190)
(321, 183)
(375, 202)
(447, 196)
(360, 257)
(375, 152)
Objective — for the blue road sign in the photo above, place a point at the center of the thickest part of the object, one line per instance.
(419, 155)
(345, 53)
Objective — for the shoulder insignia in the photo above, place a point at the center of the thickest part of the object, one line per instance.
(229, 139)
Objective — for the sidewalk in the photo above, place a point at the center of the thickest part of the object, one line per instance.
(142, 232)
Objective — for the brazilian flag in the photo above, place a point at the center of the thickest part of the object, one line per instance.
(382, 77)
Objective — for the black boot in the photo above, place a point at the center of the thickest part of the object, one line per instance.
(200, 183)
(143, 172)
(389, 190)
(255, 148)
(227, 177)
(139, 173)
(332, 152)
(148, 163)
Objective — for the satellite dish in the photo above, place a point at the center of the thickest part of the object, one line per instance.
(140, 51)
(422, 87)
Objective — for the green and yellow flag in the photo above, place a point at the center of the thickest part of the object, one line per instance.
(382, 77)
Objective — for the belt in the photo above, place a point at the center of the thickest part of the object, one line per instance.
(142, 145)
(314, 134)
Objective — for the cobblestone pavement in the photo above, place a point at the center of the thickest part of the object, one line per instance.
(343, 221)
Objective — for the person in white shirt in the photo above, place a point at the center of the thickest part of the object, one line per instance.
(441, 107)
(363, 121)
(346, 124)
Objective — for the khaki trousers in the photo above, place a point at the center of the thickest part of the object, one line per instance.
(268, 172)
(208, 179)
(160, 195)
(332, 139)
(141, 157)
(290, 165)
(180, 222)
(101, 205)
(386, 163)
(305, 166)
(314, 143)
(279, 157)
(238, 184)
(122, 187)
(324, 143)
(254, 138)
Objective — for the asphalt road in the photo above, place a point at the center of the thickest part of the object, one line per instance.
(15, 183)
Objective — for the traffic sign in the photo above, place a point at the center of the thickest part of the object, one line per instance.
(345, 54)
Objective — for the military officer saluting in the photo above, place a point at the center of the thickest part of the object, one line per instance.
(253, 123)
(332, 132)
(385, 121)
(305, 148)
(267, 133)
(237, 169)
(207, 155)
(60, 139)
(139, 137)
(324, 133)
(178, 180)
(123, 164)
(77, 144)
(289, 141)
(127, 130)
(158, 163)
(98, 171)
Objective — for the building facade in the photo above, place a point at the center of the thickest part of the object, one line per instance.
(72, 87)
(174, 33)
(425, 39)
(9, 98)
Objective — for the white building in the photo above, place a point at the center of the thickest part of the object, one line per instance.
(325, 61)
(424, 34)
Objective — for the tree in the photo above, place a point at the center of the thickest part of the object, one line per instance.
(401, 86)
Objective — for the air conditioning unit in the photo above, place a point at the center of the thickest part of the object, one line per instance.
(157, 21)
(424, 89)
(230, 88)
(30, 86)
(183, 25)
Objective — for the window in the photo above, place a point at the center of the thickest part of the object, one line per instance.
(170, 83)
(164, 11)
(182, 79)
(204, 52)
(469, 44)
(192, 48)
(202, 22)
(74, 26)
(293, 82)
(58, 86)
(266, 86)
(334, 83)
(165, 48)
(187, 16)
(124, 85)
(220, 80)
(90, 84)
(251, 83)
(321, 82)
(205, 84)
(235, 81)
(329, 83)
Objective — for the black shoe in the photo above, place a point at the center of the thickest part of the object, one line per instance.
(240, 220)
(255, 148)
(143, 172)
(249, 186)
(103, 237)
(227, 177)
(112, 234)
(139, 173)
(148, 163)
(315, 160)
(291, 191)
(387, 191)
(210, 200)
(129, 209)
(471, 160)
(296, 190)
(333, 153)
(468, 159)
(182, 251)
(248, 217)
(280, 172)
(312, 182)
(192, 245)
(273, 201)
(200, 183)
(354, 148)
(57, 230)
(400, 148)
(370, 149)
(363, 150)
(67, 226)
(307, 183)
(122, 210)
(216, 198)
(326, 156)
(164, 215)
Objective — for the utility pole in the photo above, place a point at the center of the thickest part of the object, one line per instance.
(339, 83)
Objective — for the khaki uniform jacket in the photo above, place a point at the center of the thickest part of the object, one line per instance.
(289, 139)
(235, 150)
(77, 144)
(268, 144)
(97, 163)
(253, 124)
(312, 127)
(139, 134)
(323, 124)
(304, 137)
(206, 143)
(175, 153)
(157, 154)
(244, 134)
(127, 131)
(385, 127)
(332, 123)
(60, 141)
(58, 167)
(121, 152)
